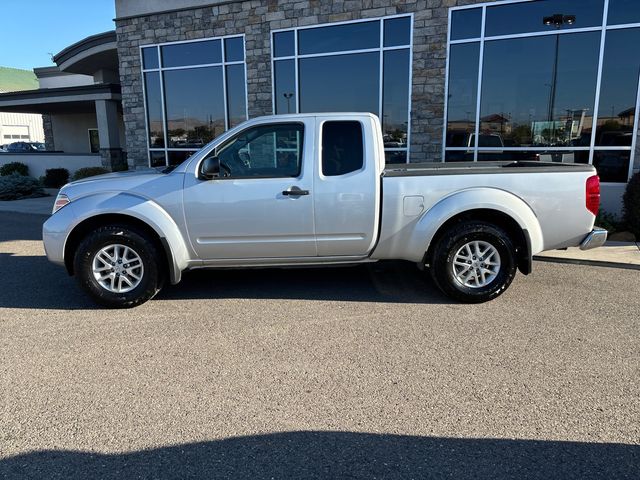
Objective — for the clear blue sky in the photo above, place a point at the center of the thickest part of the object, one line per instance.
(32, 29)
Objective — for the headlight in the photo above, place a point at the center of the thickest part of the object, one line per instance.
(61, 201)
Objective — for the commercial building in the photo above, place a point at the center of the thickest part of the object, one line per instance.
(451, 80)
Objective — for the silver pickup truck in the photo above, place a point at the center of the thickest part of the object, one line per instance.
(293, 190)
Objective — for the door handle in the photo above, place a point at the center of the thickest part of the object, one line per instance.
(295, 192)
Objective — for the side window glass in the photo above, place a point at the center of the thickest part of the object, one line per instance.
(265, 151)
(342, 148)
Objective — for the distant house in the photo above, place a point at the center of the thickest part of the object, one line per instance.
(19, 127)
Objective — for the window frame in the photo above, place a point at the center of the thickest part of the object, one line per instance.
(381, 49)
(161, 69)
(482, 39)
(214, 151)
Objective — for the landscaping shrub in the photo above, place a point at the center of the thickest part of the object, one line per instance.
(631, 206)
(56, 177)
(88, 172)
(16, 186)
(14, 167)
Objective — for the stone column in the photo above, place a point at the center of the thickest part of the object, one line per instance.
(113, 157)
(47, 126)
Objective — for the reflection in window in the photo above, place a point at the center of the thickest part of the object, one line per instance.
(233, 49)
(339, 38)
(340, 83)
(176, 157)
(612, 166)
(285, 86)
(623, 11)
(284, 44)
(395, 156)
(397, 31)
(265, 151)
(191, 53)
(395, 98)
(154, 109)
(540, 91)
(499, 155)
(194, 102)
(342, 148)
(466, 23)
(196, 109)
(463, 87)
(236, 95)
(150, 57)
(619, 88)
(524, 17)
(329, 81)
(157, 158)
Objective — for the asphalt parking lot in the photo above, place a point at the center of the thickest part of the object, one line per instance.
(366, 372)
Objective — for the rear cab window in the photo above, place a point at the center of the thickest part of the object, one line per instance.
(342, 147)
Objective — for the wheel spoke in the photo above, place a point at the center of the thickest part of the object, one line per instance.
(476, 264)
(117, 268)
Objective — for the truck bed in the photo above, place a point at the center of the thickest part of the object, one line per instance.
(476, 168)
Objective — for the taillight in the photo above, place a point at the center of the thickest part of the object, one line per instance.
(593, 194)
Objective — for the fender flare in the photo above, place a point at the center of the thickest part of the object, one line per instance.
(483, 198)
(143, 210)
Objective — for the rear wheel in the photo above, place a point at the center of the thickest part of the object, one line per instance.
(473, 261)
(118, 266)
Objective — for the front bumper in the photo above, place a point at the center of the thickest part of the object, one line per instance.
(595, 239)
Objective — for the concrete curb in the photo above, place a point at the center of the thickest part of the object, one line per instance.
(591, 263)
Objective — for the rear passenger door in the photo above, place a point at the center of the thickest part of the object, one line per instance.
(346, 200)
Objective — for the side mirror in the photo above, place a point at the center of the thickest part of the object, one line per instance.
(210, 168)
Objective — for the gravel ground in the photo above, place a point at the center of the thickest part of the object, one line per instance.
(366, 372)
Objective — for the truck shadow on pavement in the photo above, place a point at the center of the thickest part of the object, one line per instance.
(31, 282)
(334, 455)
(393, 282)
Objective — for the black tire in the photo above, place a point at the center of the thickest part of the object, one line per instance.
(455, 238)
(152, 274)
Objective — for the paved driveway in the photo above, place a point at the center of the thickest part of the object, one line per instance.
(329, 373)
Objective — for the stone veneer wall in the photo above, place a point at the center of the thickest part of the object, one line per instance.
(47, 126)
(256, 19)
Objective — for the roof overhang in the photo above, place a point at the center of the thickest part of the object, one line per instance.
(94, 53)
(80, 99)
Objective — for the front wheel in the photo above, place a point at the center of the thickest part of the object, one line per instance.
(118, 266)
(473, 261)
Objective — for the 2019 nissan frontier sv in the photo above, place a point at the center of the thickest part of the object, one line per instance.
(313, 189)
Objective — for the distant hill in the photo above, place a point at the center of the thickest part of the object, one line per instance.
(15, 79)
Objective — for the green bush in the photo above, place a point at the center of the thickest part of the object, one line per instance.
(16, 186)
(56, 177)
(631, 205)
(88, 172)
(14, 167)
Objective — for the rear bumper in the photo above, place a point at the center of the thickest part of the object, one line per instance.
(595, 239)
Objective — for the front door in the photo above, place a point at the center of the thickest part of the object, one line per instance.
(261, 206)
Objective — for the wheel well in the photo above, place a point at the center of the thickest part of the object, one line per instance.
(519, 236)
(83, 228)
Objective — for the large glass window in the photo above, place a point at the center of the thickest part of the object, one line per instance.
(526, 88)
(194, 91)
(360, 66)
(539, 91)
